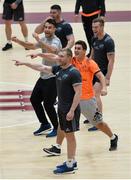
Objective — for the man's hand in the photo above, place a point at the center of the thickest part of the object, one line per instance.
(70, 115)
(13, 5)
(104, 92)
(107, 82)
(32, 56)
(35, 35)
(18, 63)
(15, 39)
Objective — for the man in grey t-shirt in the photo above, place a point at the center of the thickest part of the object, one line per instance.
(45, 88)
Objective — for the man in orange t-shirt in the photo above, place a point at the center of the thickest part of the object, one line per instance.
(88, 68)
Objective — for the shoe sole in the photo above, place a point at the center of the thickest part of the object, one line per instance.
(113, 149)
(7, 49)
(43, 132)
(54, 154)
(75, 168)
(70, 172)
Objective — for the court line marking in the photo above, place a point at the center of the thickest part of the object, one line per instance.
(17, 125)
(15, 83)
(20, 84)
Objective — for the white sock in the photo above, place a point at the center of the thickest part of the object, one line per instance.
(69, 163)
(58, 146)
(26, 38)
(9, 42)
(113, 137)
(74, 161)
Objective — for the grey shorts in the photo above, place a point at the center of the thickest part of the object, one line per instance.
(90, 111)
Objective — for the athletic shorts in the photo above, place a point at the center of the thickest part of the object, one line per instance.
(90, 111)
(15, 14)
(69, 126)
(95, 79)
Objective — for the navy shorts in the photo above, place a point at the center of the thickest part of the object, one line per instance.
(15, 14)
(95, 79)
(69, 126)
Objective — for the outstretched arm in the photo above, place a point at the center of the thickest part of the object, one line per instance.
(27, 45)
(35, 66)
(47, 56)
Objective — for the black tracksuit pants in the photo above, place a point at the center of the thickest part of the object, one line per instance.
(45, 92)
(87, 25)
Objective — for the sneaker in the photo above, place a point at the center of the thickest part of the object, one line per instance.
(42, 129)
(92, 129)
(53, 151)
(74, 165)
(86, 121)
(64, 169)
(53, 133)
(7, 46)
(113, 144)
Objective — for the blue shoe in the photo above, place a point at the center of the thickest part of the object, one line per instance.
(64, 169)
(92, 129)
(53, 133)
(43, 128)
(74, 165)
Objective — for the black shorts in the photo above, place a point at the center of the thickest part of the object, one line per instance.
(15, 14)
(69, 126)
(95, 79)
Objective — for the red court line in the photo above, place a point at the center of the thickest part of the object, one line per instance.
(111, 16)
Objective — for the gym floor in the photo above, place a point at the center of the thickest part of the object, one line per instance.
(21, 154)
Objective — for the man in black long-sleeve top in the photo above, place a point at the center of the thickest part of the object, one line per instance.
(91, 9)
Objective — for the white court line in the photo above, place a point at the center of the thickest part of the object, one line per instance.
(13, 83)
(17, 125)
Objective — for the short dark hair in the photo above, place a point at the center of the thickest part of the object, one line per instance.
(82, 43)
(55, 6)
(68, 52)
(100, 20)
(51, 21)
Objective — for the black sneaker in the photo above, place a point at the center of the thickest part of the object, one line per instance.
(7, 46)
(43, 128)
(113, 144)
(53, 151)
(86, 121)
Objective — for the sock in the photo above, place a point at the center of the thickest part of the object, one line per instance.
(9, 42)
(58, 146)
(69, 163)
(26, 38)
(113, 137)
(74, 161)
